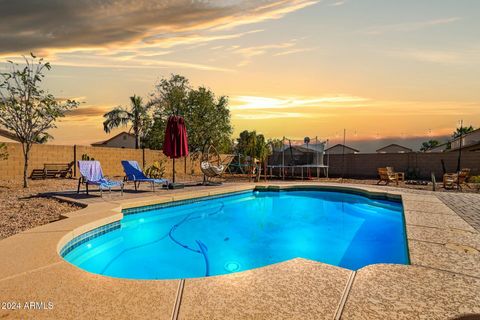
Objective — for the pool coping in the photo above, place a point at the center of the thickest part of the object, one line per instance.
(424, 211)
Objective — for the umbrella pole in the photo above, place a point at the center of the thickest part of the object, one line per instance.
(173, 180)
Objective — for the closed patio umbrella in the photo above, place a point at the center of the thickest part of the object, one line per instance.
(175, 144)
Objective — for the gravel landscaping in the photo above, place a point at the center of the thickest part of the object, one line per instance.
(22, 209)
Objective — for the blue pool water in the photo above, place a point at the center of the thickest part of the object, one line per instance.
(245, 231)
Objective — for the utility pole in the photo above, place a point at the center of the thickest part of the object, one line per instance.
(460, 154)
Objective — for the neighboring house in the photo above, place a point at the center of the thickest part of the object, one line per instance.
(470, 141)
(341, 149)
(6, 136)
(394, 148)
(121, 140)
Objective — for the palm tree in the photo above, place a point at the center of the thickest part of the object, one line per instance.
(137, 115)
(462, 131)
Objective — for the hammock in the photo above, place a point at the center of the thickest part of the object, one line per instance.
(212, 165)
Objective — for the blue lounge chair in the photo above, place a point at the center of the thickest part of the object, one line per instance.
(134, 173)
(91, 174)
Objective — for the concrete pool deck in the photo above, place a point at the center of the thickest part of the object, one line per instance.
(443, 280)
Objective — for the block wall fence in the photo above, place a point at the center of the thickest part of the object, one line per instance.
(110, 158)
(417, 165)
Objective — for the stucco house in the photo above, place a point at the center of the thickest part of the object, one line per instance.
(394, 148)
(341, 149)
(121, 140)
(470, 141)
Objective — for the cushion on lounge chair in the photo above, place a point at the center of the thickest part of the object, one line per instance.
(134, 173)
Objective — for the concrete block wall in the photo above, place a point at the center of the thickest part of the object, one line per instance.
(417, 165)
(110, 158)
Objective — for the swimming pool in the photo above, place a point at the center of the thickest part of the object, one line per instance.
(242, 231)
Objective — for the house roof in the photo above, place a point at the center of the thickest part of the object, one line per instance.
(467, 134)
(394, 145)
(99, 143)
(471, 143)
(341, 145)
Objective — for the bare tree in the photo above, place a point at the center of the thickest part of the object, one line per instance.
(26, 110)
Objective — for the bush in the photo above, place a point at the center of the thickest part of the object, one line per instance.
(86, 157)
(156, 170)
(474, 179)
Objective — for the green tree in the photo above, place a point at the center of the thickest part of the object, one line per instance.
(461, 131)
(430, 144)
(207, 117)
(26, 110)
(255, 145)
(169, 97)
(3, 151)
(137, 115)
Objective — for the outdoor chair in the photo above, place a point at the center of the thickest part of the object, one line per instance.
(212, 165)
(91, 174)
(386, 176)
(400, 175)
(456, 180)
(135, 174)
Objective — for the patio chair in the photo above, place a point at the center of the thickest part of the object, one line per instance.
(91, 174)
(400, 175)
(386, 176)
(134, 173)
(456, 180)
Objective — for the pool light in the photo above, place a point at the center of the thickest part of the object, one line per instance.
(232, 266)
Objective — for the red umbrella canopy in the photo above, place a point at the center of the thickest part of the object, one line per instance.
(175, 144)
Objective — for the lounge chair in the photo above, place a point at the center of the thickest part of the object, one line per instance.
(91, 174)
(456, 180)
(386, 176)
(400, 175)
(134, 173)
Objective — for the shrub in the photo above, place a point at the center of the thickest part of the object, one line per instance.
(474, 179)
(156, 170)
(86, 157)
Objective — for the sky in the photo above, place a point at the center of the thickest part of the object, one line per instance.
(403, 71)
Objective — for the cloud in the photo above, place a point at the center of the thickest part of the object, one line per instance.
(56, 25)
(83, 112)
(262, 103)
(270, 115)
(292, 51)
(408, 26)
(337, 3)
(449, 56)
(276, 49)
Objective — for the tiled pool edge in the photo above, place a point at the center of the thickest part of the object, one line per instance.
(87, 236)
(174, 203)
